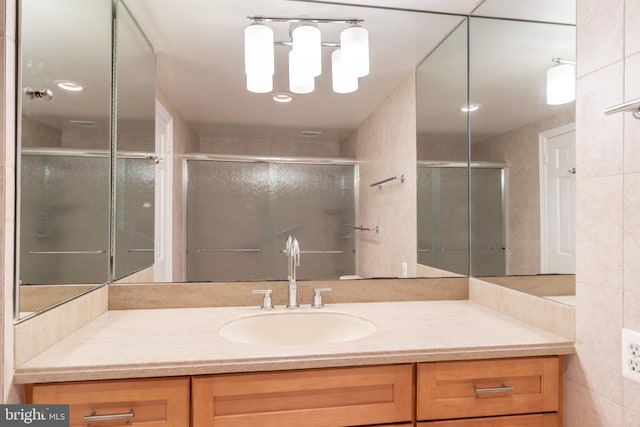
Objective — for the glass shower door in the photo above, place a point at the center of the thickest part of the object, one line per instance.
(228, 218)
(443, 219)
(240, 214)
(315, 204)
(63, 237)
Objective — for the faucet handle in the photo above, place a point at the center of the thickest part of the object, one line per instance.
(317, 297)
(267, 303)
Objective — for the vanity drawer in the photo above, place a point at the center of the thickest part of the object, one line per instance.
(485, 388)
(154, 402)
(316, 397)
(535, 420)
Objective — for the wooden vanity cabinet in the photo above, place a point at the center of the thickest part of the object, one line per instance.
(317, 397)
(519, 392)
(156, 402)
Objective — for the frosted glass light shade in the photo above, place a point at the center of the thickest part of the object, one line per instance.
(307, 41)
(343, 81)
(561, 84)
(300, 79)
(259, 83)
(259, 58)
(354, 43)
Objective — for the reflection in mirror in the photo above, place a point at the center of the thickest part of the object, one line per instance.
(534, 141)
(65, 143)
(372, 129)
(442, 154)
(135, 78)
(65, 66)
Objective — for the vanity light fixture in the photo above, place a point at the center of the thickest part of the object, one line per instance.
(282, 98)
(561, 82)
(469, 108)
(350, 59)
(69, 85)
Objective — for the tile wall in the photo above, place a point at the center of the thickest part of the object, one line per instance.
(385, 145)
(608, 215)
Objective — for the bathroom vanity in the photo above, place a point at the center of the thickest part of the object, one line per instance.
(428, 363)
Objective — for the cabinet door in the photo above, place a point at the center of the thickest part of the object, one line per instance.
(535, 420)
(149, 402)
(483, 388)
(317, 397)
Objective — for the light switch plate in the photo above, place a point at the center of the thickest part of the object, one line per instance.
(631, 355)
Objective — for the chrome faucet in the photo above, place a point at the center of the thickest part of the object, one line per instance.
(292, 251)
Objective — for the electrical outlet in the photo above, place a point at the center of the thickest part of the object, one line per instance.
(631, 354)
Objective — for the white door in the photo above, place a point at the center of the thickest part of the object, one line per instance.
(557, 200)
(163, 271)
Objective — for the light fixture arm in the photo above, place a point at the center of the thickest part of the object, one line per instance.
(323, 44)
(350, 21)
(563, 61)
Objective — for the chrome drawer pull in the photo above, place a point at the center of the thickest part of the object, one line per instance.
(110, 417)
(503, 389)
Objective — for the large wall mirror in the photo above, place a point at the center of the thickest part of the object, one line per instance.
(262, 170)
(66, 138)
(488, 134)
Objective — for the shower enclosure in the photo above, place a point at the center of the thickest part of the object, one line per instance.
(443, 218)
(239, 214)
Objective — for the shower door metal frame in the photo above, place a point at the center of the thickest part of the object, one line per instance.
(267, 160)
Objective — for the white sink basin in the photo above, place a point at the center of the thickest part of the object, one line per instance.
(297, 328)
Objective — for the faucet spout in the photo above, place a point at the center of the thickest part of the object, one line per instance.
(292, 251)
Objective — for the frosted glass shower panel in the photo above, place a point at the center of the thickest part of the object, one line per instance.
(315, 204)
(443, 219)
(135, 180)
(240, 214)
(228, 218)
(63, 236)
(487, 222)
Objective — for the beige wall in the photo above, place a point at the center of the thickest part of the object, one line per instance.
(608, 215)
(519, 150)
(385, 145)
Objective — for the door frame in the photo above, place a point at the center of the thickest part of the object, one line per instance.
(163, 234)
(543, 137)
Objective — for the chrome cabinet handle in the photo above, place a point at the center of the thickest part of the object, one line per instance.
(109, 417)
(485, 390)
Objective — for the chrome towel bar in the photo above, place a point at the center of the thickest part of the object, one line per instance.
(632, 106)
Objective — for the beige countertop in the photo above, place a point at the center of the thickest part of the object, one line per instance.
(172, 342)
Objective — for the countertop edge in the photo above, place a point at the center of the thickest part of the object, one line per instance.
(189, 368)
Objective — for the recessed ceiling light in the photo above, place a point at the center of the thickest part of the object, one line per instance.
(282, 97)
(69, 85)
(470, 108)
